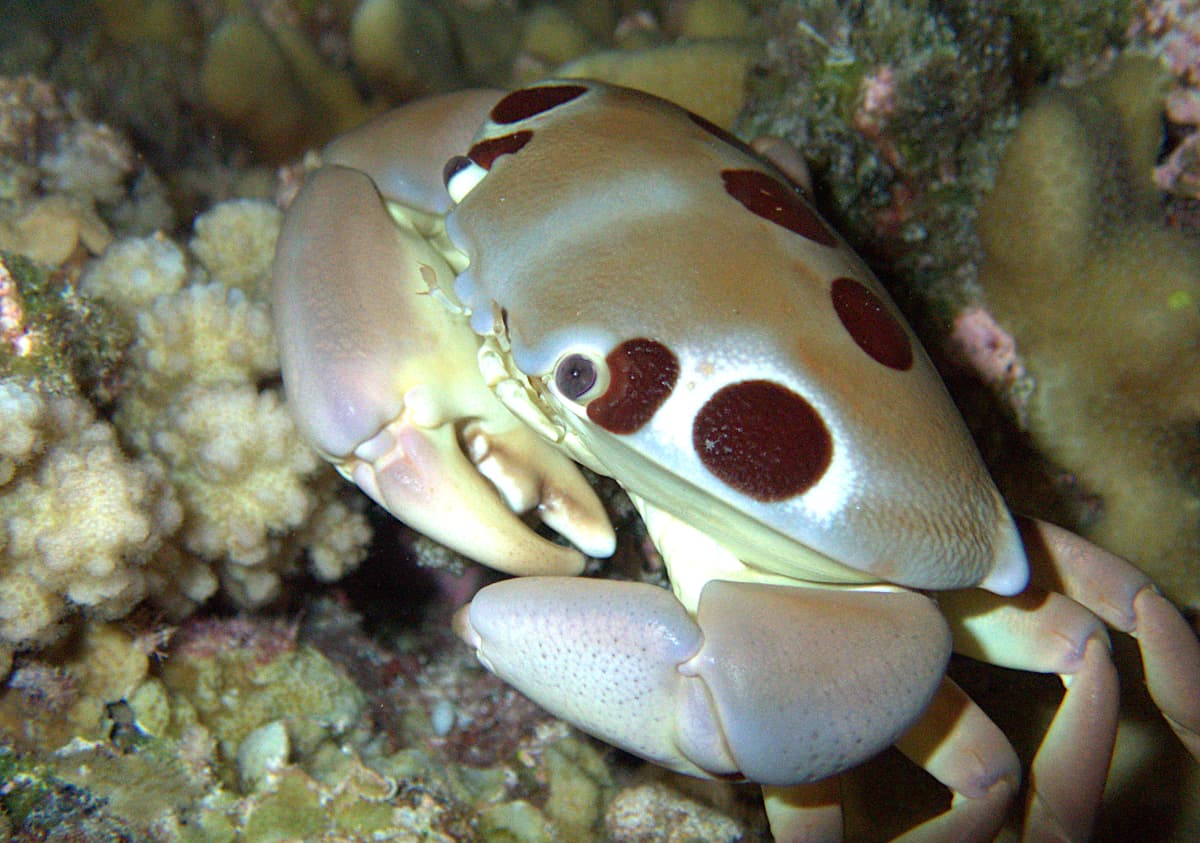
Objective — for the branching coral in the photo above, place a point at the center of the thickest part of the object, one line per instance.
(234, 457)
(78, 521)
(231, 451)
(235, 242)
(201, 335)
(57, 168)
(133, 272)
(19, 438)
(200, 478)
(1104, 301)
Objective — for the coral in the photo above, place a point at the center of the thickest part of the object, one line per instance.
(38, 805)
(405, 48)
(902, 110)
(78, 523)
(577, 779)
(50, 230)
(63, 694)
(653, 813)
(898, 109)
(708, 77)
(1170, 29)
(1101, 296)
(296, 101)
(132, 273)
(87, 159)
(707, 19)
(21, 411)
(335, 538)
(141, 21)
(551, 35)
(235, 242)
(245, 730)
(200, 476)
(233, 455)
(201, 335)
(256, 677)
(487, 35)
(52, 335)
(57, 171)
(1049, 36)
(231, 450)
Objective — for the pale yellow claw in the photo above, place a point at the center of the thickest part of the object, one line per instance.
(382, 378)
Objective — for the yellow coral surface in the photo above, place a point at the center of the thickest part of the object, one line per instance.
(1104, 301)
(199, 481)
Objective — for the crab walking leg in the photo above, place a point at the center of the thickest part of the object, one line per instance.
(781, 685)
(1125, 599)
(957, 744)
(382, 377)
(805, 813)
(963, 749)
(1050, 633)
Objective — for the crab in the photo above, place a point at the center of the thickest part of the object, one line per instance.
(477, 291)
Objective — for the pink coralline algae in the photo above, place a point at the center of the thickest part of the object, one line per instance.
(876, 106)
(14, 333)
(1171, 29)
(987, 348)
(1174, 25)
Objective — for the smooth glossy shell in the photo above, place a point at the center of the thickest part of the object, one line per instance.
(800, 411)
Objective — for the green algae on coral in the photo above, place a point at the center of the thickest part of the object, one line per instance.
(36, 804)
(240, 677)
(1051, 34)
(1102, 297)
(898, 108)
(59, 338)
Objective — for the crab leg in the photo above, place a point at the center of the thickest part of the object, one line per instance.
(963, 749)
(805, 813)
(1125, 599)
(382, 376)
(955, 742)
(1047, 632)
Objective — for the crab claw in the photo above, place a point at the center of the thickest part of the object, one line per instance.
(780, 685)
(382, 376)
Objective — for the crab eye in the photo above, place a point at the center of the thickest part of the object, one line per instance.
(460, 175)
(575, 376)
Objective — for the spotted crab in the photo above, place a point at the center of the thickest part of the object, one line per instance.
(478, 290)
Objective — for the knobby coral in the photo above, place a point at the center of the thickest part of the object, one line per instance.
(79, 519)
(194, 478)
(1103, 299)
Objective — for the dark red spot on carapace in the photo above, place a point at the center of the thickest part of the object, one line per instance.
(763, 440)
(776, 202)
(487, 151)
(641, 375)
(529, 102)
(867, 320)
